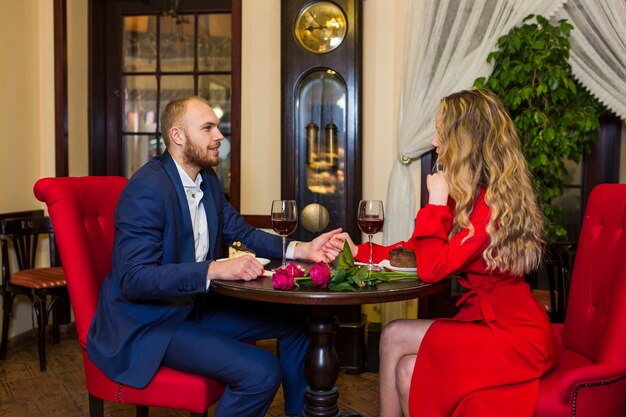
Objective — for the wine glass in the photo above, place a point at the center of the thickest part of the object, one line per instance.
(284, 220)
(371, 219)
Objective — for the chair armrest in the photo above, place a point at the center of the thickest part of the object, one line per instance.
(602, 372)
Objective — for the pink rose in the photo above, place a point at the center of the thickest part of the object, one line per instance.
(294, 270)
(282, 279)
(320, 274)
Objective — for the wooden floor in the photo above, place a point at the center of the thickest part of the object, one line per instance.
(60, 390)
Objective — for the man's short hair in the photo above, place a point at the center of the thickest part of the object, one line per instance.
(173, 115)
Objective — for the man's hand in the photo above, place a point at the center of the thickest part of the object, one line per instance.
(318, 250)
(244, 268)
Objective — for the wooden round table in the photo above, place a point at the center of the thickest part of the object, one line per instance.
(322, 365)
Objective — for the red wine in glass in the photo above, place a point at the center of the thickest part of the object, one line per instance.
(284, 227)
(371, 225)
(371, 219)
(284, 220)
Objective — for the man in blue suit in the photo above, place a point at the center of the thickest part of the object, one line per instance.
(156, 306)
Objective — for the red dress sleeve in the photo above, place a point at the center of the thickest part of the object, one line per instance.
(379, 252)
(438, 256)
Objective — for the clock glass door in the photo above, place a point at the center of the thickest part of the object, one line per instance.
(321, 134)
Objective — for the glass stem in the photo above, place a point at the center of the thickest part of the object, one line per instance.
(284, 251)
(370, 238)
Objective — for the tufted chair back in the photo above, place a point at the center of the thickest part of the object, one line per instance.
(597, 298)
(82, 210)
(589, 379)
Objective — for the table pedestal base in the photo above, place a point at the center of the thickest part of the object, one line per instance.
(320, 403)
(322, 367)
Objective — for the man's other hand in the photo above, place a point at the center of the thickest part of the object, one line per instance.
(244, 268)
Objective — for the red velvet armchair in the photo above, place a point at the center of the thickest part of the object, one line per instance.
(589, 379)
(81, 210)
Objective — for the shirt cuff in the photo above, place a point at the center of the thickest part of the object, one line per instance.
(291, 249)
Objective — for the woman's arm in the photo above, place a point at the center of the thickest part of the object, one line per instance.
(437, 255)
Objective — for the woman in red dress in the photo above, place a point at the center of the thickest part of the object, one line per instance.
(481, 222)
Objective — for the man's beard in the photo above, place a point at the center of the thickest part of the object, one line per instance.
(195, 155)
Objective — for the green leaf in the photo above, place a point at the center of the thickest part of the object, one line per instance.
(346, 260)
(542, 88)
(340, 275)
(516, 42)
(540, 44)
(342, 286)
(360, 277)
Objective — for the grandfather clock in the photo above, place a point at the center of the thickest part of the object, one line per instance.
(321, 137)
(321, 133)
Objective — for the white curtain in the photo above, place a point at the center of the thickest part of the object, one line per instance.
(598, 54)
(447, 43)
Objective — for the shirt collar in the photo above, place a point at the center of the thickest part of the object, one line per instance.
(186, 179)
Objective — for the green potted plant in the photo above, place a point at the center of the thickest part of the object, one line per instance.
(555, 117)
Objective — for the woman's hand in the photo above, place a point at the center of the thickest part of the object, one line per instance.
(336, 243)
(438, 188)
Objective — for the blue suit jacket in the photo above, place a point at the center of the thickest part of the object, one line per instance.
(154, 277)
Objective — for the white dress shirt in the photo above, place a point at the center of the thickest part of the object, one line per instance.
(198, 214)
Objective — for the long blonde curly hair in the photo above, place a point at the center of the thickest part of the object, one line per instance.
(479, 147)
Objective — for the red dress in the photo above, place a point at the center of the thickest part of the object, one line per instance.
(487, 360)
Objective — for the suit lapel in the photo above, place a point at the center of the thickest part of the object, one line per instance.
(188, 252)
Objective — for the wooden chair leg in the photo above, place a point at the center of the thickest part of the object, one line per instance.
(7, 305)
(42, 321)
(143, 411)
(96, 406)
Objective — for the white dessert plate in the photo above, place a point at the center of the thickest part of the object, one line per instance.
(263, 261)
(357, 263)
(385, 264)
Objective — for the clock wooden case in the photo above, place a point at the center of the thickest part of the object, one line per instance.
(321, 103)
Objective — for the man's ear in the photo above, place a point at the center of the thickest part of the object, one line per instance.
(177, 135)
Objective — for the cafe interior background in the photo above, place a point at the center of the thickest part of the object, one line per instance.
(27, 108)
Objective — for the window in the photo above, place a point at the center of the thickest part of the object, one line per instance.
(166, 57)
(144, 54)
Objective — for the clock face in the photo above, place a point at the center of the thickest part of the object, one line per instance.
(320, 27)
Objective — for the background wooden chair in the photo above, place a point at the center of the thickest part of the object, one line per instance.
(589, 379)
(82, 213)
(22, 234)
(6, 273)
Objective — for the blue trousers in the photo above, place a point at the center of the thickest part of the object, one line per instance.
(214, 341)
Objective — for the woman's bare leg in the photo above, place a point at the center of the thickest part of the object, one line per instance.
(404, 372)
(398, 339)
